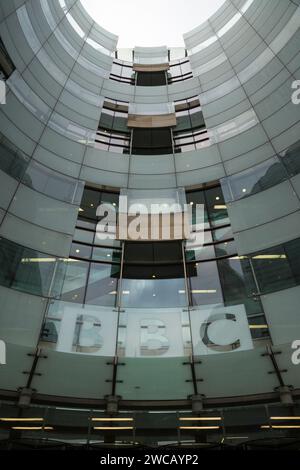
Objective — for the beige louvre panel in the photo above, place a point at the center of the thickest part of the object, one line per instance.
(153, 121)
(115, 107)
(151, 67)
(174, 227)
(190, 105)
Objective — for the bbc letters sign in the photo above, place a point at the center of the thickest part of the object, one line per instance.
(151, 333)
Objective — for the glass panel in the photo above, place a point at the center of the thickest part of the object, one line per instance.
(81, 251)
(107, 254)
(291, 159)
(204, 282)
(273, 270)
(74, 328)
(292, 250)
(154, 286)
(225, 249)
(256, 179)
(84, 236)
(53, 184)
(216, 207)
(198, 197)
(74, 282)
(154, 333)
(238, 284)
(103, 284)
(12, 161)
(222, 234)
(24, 269)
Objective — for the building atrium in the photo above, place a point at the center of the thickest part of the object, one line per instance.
(125, 341)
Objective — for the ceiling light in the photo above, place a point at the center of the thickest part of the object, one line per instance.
(32, 428)
(208, 418)
(269, 257)
(199, 427)
(208, 291)
(111, 419)
(77, 251)
(280, 427)
(258, 327)
(22, 419)
(220, 207)
(217, 198)
(244, 190)
(113, 428)
(80, 210)
(285, 417)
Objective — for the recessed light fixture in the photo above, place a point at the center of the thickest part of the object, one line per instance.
(204, 291)
(273, 426)
(203, 418)
(111, 419)
(32, 428)
(77, 251)
(199, 428)
(23, 420)
(285, 418)
(113, 428)
(258, 327)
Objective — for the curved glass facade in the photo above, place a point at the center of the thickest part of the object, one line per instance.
(187, 329)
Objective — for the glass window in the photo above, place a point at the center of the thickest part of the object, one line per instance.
(12, 161)
(152, 141)
(256, 179)
(198, 197)
(225, 249)
(103, 284)
(151, 78)
(84, 236)
(292, 250)
(273, 270)
(157, 286)
(222, 234)
(81, 251)
(24, 269)
(204, 282)
(107, 254)
(74, 282)
(216, 207)
(238, 284)
(53, 184)
(291, 159)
